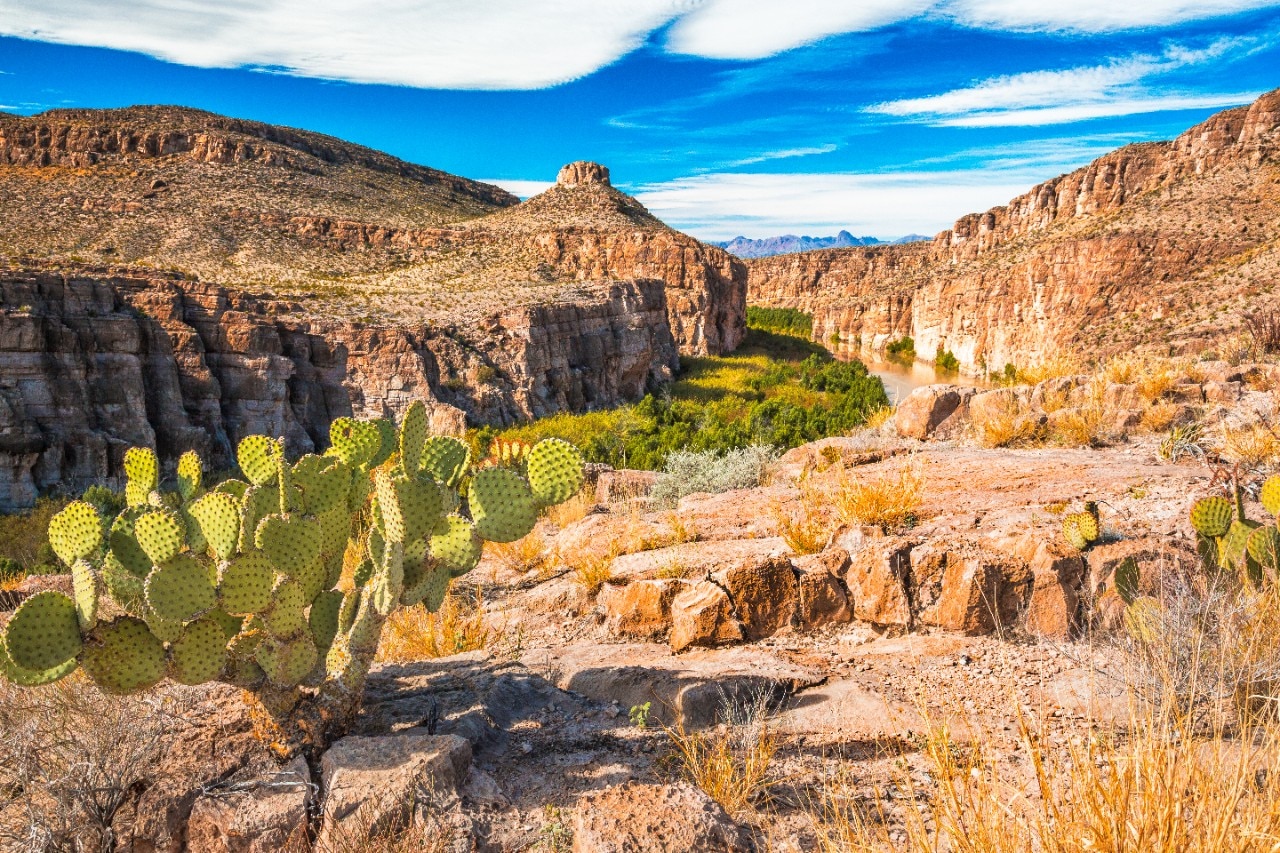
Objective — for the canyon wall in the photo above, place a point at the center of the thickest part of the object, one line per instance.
(94, 362)
(1143, 247)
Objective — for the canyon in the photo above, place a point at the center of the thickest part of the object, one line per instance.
(177, 279)
(1156, 246)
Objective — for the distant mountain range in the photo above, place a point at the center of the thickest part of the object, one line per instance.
(789, 243)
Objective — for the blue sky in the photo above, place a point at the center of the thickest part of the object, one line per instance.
(725, 117)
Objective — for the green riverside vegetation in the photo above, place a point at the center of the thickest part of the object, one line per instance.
(776, 389)
(787, 321)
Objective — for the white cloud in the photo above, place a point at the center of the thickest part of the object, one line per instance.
(1074, 94)
(1091, 15)
(754, 29)
(524, 44)
(722, 206)
(521, 188)
(464, 44)
(784, 154)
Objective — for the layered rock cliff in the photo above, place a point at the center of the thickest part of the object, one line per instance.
(1158, 245)
(95, 361)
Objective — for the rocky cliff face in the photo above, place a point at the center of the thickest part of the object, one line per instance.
(1156, 245)
(94, 362)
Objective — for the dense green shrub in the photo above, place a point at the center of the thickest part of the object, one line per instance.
(788, 321)
(946, 361)
(776, 390)
(904, 348)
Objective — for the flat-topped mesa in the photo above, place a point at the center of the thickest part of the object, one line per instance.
(583, 172)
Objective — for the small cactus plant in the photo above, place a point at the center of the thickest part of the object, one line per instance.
(1228, 539)
(238, 582)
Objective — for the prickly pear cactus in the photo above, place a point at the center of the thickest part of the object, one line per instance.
(243, 581)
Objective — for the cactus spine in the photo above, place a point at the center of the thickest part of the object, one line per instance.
(238, 582)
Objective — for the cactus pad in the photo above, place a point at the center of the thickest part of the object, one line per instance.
(259, 458)
(335, 529)
(124, 545)
(1263, 546)
(258, 502)
(44, 632)
(1071, 532)
(502, 506)
(324, 484)
(245, 583)
(160, 535)
(1211, 516)
(287, 615)
(33, 678)
(122, 584)
(555, 471)
(413, 434)
(1235, 543)
(142, 470)
(323, 617)
(180, 590)
(190, 473)
(1088, 524)
(217, 514)
(1142, 619)
(391, 518)
(1269, 496)
(1126, 580)
(421, 506)
(124, 656)
(84, 584)
(200, 653)
(431, 588)
(231, 625)
(446, 459)
(292, 544)
(455, 545)
(288, 662)
(75, 532)
(389, 441)
(355, 442)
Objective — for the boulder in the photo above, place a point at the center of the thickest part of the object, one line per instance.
(876, 580)
(641, 609)
(703, 615)
(823, 599)
(263, 815)
(1225, 393)
(1057, 572)
(765, 594)
(933, 411)
(644, 818)
(1160, 563)
(373, 784)
(961, 586)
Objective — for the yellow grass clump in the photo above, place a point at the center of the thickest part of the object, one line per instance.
(1254, 446)
(413, 633)
(733, 762)
(888, 500)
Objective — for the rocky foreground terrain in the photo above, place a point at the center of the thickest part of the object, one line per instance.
(621, 629)
(1162, 246)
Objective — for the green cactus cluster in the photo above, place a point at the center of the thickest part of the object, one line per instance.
(238, 582)
(1227, 538)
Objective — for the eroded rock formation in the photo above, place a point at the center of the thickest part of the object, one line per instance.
(1157, 245)
(94, 362)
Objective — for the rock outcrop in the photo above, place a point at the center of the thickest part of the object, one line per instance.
(1156, 244)
(94, 362)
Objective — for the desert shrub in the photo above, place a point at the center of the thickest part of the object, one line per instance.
(416, 633)
(732, 763)
(690, 471)
(888, 500)
(24, 536)
(71, 761)
(903, 348)
(788, 321)
(804, 524)
(946, 361)
(1264, 328)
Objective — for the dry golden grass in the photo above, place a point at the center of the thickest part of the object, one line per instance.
(522, 555)
(1054, 399)
(1012, 425)
(674, 570)
(1056, 366)
(1159, 417)
(732, 763)
(590, 569)
(573, 510)
(1164, 789)
(879, 417)
(804, 524)
(1084, 426)
(1124, 369)
(888, 500)
(1254, 446)
(412, 633)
